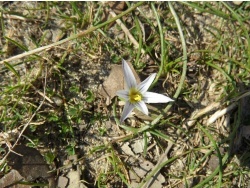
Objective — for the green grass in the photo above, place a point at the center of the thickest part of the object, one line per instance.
(52, 66)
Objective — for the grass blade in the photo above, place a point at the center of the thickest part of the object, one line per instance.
(17, 44)
(11, 68)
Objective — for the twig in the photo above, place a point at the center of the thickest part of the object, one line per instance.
(73, 36)
(220, 113)
(16, 17)
(126, 31)
(214, 106)
(196, 115)
(28, 123)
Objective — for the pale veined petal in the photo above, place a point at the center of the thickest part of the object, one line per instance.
(142, 107)
(143, 86)
(128, 74)
(150, 97)
(123, 94)
(126, 111)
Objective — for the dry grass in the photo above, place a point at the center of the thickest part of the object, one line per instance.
(55, 55)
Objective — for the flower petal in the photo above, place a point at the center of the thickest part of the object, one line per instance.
(151, 97)
(142, 107)
(143, 86)
(126, 111)
(128, 74)
(123, 94)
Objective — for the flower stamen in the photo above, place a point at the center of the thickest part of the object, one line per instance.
(134, 96)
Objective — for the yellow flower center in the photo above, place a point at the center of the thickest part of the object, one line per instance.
(134, 96)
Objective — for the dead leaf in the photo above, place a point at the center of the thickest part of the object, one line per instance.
(62, 182)
(73, 179)
(118, 6)
(30, 164)
(115, 82)
(213, 162)
(127, 149)
(11, 179)
(139, 144)
(142, 171)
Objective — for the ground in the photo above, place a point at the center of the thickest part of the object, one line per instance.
(60, 66)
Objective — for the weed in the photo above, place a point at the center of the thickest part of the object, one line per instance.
(55, 55)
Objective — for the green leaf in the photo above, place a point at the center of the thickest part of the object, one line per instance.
(90, 96)
(71, 149)
(49, 157)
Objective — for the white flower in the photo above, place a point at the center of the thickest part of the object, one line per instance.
(136, 95)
